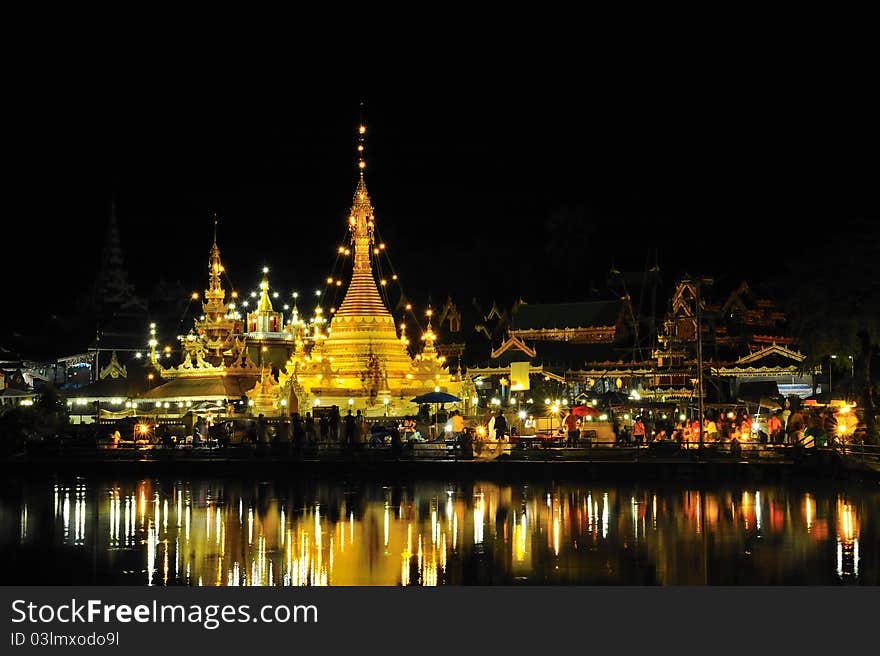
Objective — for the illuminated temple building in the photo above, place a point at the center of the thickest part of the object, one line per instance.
(356, 359)
(601, 347)
(362, 362)
(217, 365)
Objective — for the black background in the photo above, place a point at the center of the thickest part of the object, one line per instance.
(722, 163)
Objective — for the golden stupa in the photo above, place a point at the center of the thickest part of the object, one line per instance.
(362, 362)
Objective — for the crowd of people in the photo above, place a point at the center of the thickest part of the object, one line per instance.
(804, 426)
(807, 427)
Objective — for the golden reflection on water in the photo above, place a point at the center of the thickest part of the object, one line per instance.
(429, 534)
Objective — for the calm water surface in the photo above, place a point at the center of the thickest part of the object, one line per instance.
(167, 531)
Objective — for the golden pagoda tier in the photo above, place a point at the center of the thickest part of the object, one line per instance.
(363, 326)
(270, 342)
(263, 397)
(265, 321)
(218, 324)
(216, 364)
(362, 362)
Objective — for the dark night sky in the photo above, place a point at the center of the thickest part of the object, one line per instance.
(718, 172)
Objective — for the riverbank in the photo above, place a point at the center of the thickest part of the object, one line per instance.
(579, 464)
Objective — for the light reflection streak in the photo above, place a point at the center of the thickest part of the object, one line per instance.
(65, 514)
(556, 535)
(217, 528)
(151, 554)
(605, 515)
(654, 512)
(478, 519)
(758, 511)
(809, 510)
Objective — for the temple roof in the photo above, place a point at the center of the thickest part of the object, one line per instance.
(590, 314)
(557, 355)
(214, 387)
(107, 388)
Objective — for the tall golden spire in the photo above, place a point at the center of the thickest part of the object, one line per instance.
(362, 297)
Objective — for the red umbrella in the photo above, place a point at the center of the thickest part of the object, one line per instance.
(585, 411)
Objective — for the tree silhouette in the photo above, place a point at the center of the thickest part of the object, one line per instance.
(834, 305)
(567, 235)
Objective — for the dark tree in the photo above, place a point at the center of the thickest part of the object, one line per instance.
(833, 304)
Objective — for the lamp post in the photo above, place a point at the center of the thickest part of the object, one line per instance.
(830, 367)
(700, 357)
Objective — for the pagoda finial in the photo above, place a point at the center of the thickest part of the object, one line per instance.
(361, 147)
(215, 294)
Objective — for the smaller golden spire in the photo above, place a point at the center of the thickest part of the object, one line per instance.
(215, 268)
(265, 304)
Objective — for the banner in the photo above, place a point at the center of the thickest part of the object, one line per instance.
(519, 376)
